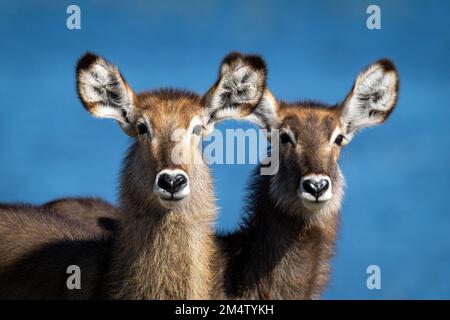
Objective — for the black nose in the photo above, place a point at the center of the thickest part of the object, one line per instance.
(316, 188)
(172, 183)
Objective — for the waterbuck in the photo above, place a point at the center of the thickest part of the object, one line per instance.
(287, 237)
(162, 246)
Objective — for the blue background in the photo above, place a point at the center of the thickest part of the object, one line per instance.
(395, 213)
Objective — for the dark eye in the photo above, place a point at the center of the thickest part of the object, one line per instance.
(142, 128)
(285, 138)
(197, 129)
(339, 140)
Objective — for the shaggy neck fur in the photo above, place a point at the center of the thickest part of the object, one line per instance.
(282, 250)
(161, 253)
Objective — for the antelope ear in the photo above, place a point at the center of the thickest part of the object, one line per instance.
(372, 98)
(239, 87)
(266, 112)
(104, 92)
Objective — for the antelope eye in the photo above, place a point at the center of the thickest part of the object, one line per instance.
(340, 140)
(285, 138)
(197, 129)
(142, 128)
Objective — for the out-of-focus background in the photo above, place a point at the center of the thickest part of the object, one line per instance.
(395, 213)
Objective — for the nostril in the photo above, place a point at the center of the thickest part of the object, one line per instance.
(322, 187)
(180, 182)
(165, 182)
(310, 186)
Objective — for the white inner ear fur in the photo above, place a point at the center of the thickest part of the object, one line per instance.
(266, 112)
(103, 86)
(264, 115)
(374, 94)
(236, 87)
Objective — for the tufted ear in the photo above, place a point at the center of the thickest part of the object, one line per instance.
(372, 98)
(104, 92)
(239, 90)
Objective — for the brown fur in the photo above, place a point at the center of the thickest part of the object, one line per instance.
(282, 249)
(161, 253)
(36, 247)
(155, 252)
(93, 213)
(284, 245)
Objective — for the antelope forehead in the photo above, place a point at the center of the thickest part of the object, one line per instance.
(313, 128)
(172, 120)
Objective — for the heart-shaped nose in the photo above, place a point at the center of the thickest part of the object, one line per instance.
(316, 187)
(172, 183)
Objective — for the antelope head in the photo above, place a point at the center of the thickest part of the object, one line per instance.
(165, 162)
(312, 135)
